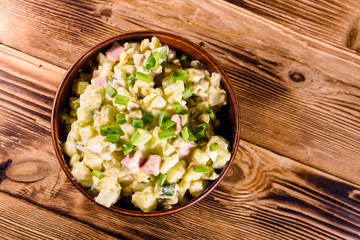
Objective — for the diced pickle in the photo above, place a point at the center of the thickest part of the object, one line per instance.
(168, 191)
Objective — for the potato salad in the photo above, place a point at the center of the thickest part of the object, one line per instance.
(140, 127)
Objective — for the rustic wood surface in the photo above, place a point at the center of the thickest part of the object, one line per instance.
(295, 66)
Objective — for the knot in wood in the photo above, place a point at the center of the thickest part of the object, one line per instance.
(29, 171)
(296, 76)
(107, 12)
(3, 168)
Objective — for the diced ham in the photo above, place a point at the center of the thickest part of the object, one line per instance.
(126, 161)
(138, 157)
(95, 72)
(99, 81)
(114, 52)
(186, 150)
(176, 118)
(152, 165)
(133, 163)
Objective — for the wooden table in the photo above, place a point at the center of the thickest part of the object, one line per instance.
(295, 65)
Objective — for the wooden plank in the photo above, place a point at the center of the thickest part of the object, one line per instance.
(333, 22)
(43, 224)
(264, 195)
(76, 27)
(24, 79)
(294, 97)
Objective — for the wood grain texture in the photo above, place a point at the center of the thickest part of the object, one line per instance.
(43, 224)
(332, 22)
(263, 196)
(295, 98)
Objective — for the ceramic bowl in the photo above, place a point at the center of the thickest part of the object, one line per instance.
(229, 116)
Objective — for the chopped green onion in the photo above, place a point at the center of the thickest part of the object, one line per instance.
(121, 99)
(147, 117)
(113, 137)
(127, 148)
(201, 130)
(120, 118)
(177, 107)
(202, 169)
(143, 77)
(150, 63)
(211, 114)
(202, 127)
(214, 146)
(137, 123)
(135, 137)
(180, 75)
(114, 129)
(130, 80)
(161, 179)
(199, 135)
(167, 134)
(191, 137)
(161, 55)
(183, 59)
(163, 116)
(98, 174)
(103, 130)
(76, 106)
(187, 93)
(183, 112)
(187, 135)
(111, 91)
(155, 59)
(167, 124)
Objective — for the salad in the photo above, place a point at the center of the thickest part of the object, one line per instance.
(140, 127)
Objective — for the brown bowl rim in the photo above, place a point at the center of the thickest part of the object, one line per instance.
(146, 34)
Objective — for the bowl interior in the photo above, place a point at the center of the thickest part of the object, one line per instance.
(229, 116)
